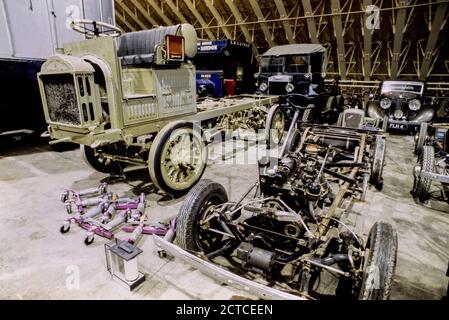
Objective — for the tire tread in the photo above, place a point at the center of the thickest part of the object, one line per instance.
(383, 254)
(190, 210)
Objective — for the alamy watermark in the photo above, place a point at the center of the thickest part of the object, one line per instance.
(72, 280)
(372, 21)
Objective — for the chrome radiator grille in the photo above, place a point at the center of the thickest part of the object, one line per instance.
(60, 94)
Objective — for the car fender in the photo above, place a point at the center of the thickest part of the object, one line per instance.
(426, 114)
(374, 111)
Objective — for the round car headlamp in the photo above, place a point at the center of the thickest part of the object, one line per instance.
(414, 104)
(263, 87)
(385, 103)
(289, 87)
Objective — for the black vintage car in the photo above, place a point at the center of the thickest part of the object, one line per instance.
(300, 69)
(402, 104)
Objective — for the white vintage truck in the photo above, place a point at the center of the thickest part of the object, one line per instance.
(131, 99)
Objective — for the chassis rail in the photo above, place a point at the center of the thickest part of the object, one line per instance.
(435, 176)
(224, 276)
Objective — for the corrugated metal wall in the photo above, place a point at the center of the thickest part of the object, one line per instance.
(32, 29)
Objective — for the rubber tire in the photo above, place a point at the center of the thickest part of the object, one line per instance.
(63, 230)
(187, 221)
(155, 156)
(382, 256)
(378, 163)
(293, 141)
(64, 197)
(307, 116)
(329, 102)
(88, 242)
(427, 159)
(89, 158)
(269, 122)
(421, 138)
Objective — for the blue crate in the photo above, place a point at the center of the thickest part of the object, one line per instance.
(209, 83)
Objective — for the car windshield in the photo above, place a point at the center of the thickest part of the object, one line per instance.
(272, 64)
(296, 64)
(289, 64)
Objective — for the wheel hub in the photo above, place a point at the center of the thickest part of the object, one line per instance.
(182, 160)
(181, 155)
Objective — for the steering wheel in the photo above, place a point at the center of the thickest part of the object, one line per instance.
(96, 29)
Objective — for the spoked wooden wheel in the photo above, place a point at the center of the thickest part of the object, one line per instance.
(178, 157)
(275, 126)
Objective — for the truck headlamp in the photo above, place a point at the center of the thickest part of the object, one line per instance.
(263, 87)
(289, 87)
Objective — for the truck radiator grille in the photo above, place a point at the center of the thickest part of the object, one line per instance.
(277, 87)
(60, 94)
(353, 120)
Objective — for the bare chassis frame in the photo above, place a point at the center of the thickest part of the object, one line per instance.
(260, 290)
(435, 176)
(222, 275)
(231, 105)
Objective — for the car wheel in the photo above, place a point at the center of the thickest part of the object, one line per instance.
(380, 264)
(426, 162)
(307, 116)
(293, 140)
(96, 161)
(275, 126)
(330, 103)
(422, 135)
(178, 157)
(194, 218)
(378, 162)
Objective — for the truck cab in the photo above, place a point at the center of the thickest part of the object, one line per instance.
(131, 99)
(293, 68)
(102, 90)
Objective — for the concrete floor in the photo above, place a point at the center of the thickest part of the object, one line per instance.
(37, 262)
